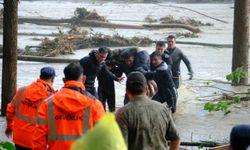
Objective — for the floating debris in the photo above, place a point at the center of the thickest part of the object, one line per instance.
(84, 14)
(183, 20)
(80, 39)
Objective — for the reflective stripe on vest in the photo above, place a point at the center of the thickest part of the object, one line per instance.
(41, 121)
(53, 136)
(13, 102)
(21, 116)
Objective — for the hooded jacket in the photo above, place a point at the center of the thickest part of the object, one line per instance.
(22, 111)
(91, 68)
(166, 90)
(64, 117)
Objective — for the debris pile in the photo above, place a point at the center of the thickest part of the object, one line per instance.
(84, 14)
(76, 39)
(150, 19)
(183, 20)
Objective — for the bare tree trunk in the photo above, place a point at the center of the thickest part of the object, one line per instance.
(241, 36)
(9, 71)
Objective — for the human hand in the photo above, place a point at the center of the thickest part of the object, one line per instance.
(190, 75)
(8, 132)
(120, 79)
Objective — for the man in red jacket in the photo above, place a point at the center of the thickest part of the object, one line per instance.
(22, 110)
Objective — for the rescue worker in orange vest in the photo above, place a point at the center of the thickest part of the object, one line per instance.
(68, 114)
(22, 110)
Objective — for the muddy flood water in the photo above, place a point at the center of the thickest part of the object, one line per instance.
(209, 63)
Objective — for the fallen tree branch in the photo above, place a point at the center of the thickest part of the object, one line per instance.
(202, 143)
(35, 34)
(206, 44)
(195, 12)
(209, 86)
(44, 59)
(187, 27)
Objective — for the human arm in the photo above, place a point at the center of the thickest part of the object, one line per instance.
(172, 134)
(9, 118)
(123, 123)
(84, 63)
(174, 145)
(188, 64)
(111, 74)
(150, 75)
(10, 114)
(41, 130)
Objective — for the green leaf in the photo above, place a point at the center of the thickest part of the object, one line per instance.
(237, 75)
(209, 106)
(236, 99)
(7, 145)
(229, 77)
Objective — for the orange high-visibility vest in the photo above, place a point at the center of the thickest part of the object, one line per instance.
(57, 128)
(22, 111)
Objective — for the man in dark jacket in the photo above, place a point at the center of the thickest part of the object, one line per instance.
(161, 48)
(92, 65)
(166, 88)
(106, 85)
(177, 55)
(136, 59)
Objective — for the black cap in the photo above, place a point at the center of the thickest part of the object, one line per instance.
(136, 82)
(240, 137)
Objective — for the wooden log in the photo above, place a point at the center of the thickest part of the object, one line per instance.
(22, 20)
(44, 59)
(202, 143)
(95, 23)
(160, 26)
(205, 44)
(223, 147)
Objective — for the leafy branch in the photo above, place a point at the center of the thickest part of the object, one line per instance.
(222, 105)
(225, 105)
(237, 75)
